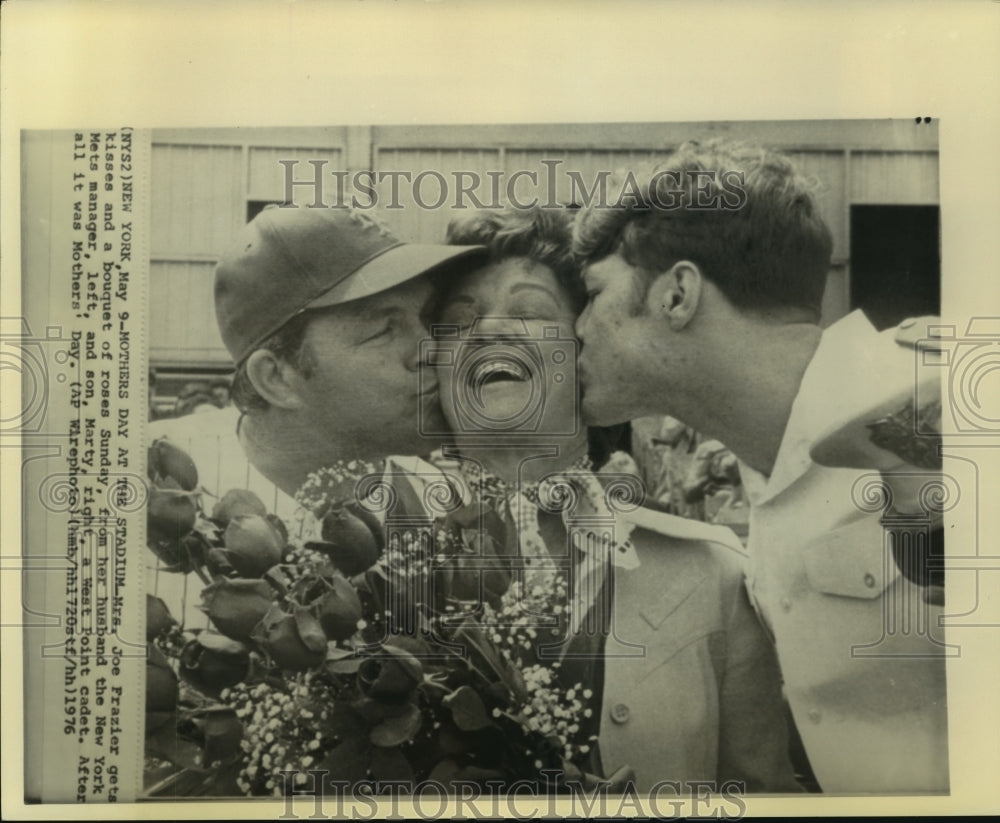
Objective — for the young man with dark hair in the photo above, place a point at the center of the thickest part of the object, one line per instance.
(705, 284)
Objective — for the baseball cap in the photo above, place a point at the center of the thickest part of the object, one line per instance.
(287, 260)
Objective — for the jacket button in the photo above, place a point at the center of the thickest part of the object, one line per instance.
(815, 715)
(870, 580)
(786, 604)
(620, 713)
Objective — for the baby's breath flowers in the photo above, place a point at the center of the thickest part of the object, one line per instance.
(284, 730)
(335, 485)
(526, 615)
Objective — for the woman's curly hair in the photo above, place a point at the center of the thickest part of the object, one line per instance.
(543, 235)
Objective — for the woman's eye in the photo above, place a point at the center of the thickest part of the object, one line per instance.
(535, 310)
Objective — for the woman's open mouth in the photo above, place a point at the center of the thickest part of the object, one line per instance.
(501, 370)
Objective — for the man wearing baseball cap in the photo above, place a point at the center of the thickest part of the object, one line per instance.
(323, 311)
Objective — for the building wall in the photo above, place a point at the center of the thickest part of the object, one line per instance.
(203, 181)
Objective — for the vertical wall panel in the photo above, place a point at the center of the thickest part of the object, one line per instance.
(427, 225)
(266, 179)
(197, 194)
(577, 177)
(182, 321)
(899, 178)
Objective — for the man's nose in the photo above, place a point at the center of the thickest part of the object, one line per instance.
(417, 358)
(415, 354)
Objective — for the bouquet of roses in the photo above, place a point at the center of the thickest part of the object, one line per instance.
(365, 652)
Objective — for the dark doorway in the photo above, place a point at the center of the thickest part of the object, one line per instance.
(895, 262)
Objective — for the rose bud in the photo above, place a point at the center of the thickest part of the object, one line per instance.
(391, 675)
(497, 575)
(293, 641)
(279, 526)
(161, 682)
(236, 502)
(212, 662)
(235, 607)
(167, 460)
(218, 563)
(371, 520)
(171, 554)
(458, 581)
(253, 545)
(158, 617)
(169, 515)
(349, 541)
(339, 609)
(496, 581)
(468, 572)
(223, 732)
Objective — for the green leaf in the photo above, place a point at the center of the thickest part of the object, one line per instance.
(166, 744)
(478, 774)
(278, 579)
(391, 764)
(154, 720)
(183, 783)
(310, 630)
(217, 642)
(348, 665)
(485, 658)
(223, 734)
(395, 730)
(467, 709)
(444, 771)
(453, 741)
(408, 661)
(349, 760)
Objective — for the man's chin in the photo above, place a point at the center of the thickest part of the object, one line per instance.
(424, 444)
(596, 413)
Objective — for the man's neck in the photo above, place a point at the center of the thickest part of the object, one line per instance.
(746, 397)
(285, 453)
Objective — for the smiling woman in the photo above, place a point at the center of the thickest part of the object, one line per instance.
(652, 620)
(513, 356)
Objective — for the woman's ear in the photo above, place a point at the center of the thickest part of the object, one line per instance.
(675, 294)
(274, 379)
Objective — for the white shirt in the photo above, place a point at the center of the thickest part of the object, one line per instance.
(861, 652)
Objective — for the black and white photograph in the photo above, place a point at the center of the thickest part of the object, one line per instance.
(599, 465)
